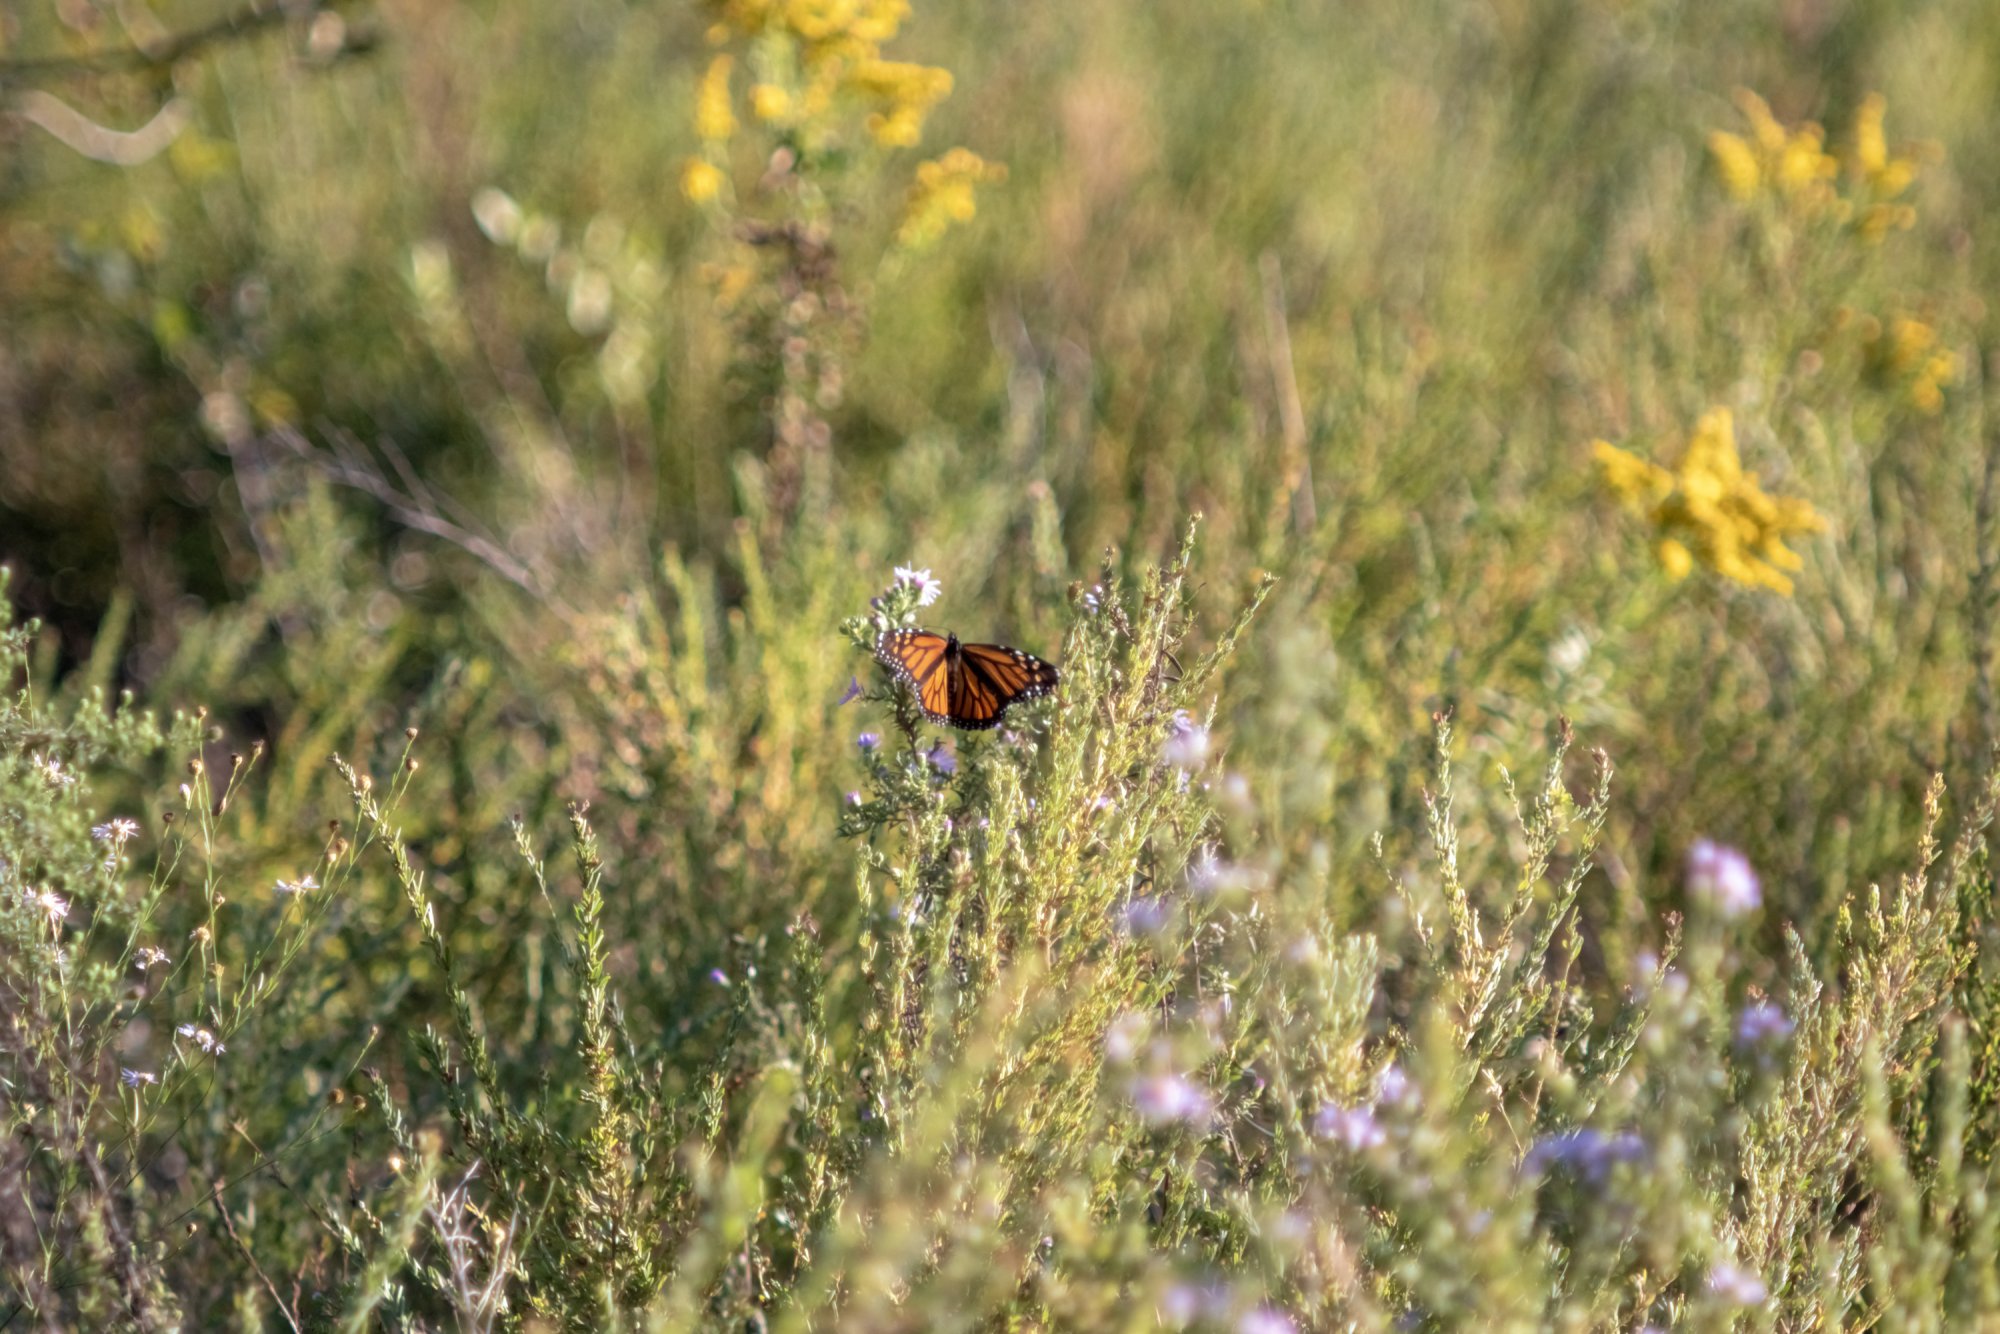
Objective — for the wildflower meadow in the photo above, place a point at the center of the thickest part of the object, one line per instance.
(1225, 666)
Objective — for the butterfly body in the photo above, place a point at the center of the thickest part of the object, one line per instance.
(964, 685)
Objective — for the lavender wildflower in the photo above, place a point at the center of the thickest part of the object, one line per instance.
(297, 886)
(1761, 1022)
(1209, 874)
(51, 903)
(116, 832)
(52, 771)
(146, 956)
(1737, 1286)
(1185, 1303)
(854, 798)
(1265, 1320)
(717, 976)
(1187, 742)
(941, 758)
(1392, 1086)
(1589, 1155)
(1145, 917)
(1722, 876)
(1121, 1039)
(1355, 1127)
(134, 1078)
(852, 693)
(202, 1038)
(927, 588)
(1170, 1099)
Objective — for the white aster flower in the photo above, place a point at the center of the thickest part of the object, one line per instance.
(927, 588)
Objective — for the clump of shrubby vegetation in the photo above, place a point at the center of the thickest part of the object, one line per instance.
(462, 866)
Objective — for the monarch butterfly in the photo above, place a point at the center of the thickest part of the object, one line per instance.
(965, 685)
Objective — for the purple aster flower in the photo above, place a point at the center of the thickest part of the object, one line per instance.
(1760, 1022)
(1187, 742)
(868, 741)
(854, 798)
(853, 691)
(1722, 876)
(1145, 916)
(717, 976)
(1589, 1155)
(1209, 874)
(1355, 1127)
(134, 1078)
(1170, 1099)
(1392, 1086)
(1184, 1303)
(927, 587)
(115, 832)
(1265, 1320)
(1737, 1286)
(1121, 1039)
(941, 758)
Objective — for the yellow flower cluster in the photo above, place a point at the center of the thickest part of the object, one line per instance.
(943, 195)
(1793, 166)
(1793, 163)
(808, 59)
(1880, 177)
(714, 112)
(903, 93)
(1708, 511)
(1906, 355)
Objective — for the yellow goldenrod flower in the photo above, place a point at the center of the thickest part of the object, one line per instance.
(1737, 162)
(943, 195)
(1803, 166)
(1709, 512)
(700, 181)
(1907, 357)
(1908, 340)
(1634, 480)
(907, 93)
(869, 22)
(1771, 136)
(769, 102)
(1886, 176)
(1791, 162)
(714, 118)
(1880, 176)
(1927, 390)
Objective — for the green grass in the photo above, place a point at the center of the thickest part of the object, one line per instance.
(1331, 950)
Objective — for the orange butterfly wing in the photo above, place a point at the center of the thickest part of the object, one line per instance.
(964, 685)
(993, 678)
